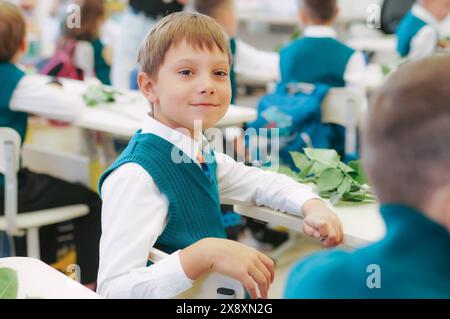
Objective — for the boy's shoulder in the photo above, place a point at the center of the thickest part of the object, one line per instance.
(297, 44)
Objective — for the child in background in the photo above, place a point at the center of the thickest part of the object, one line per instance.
(20, 95)
(409, 128)
(246, 59)
(91, 20)
(419, 33)
(165, 189)
(318, 57)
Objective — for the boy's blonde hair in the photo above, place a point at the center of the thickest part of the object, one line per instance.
(12, 30)
(198, 30)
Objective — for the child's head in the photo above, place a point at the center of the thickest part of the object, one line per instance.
(92, 16)
(220, 10)
(407, 139)
(440, 9)
(185, 62)
(12, 33)
(317, 12)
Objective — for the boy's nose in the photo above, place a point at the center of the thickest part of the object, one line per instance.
(209, 89)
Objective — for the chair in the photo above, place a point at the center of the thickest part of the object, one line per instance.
(345, 107)
(20, 224)
(392, 12)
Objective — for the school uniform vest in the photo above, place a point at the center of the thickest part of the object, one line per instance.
(194, 206)
(101, 68)
(406, 31)
(10, 75)
(315, 60)
(232, 72)
(412, 261)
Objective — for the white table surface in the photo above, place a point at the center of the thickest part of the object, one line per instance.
(362, 223)
(39, 280)
(124, 116)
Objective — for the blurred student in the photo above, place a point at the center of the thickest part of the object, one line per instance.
(409, 128)
(20, 95)
(247, 60)
(421, 32)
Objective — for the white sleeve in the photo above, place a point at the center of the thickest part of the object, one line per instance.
(256, 63)
(33, 97)
(134, 214)
(240, 184)
(424, 43)
(355, 70)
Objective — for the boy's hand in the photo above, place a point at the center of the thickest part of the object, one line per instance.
(320, 222)
(229, 258)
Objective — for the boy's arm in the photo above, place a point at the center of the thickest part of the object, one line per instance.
(355, 71)
(45, 100)
(134, 214)
(240, 184)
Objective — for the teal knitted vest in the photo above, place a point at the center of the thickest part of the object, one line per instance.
(406, 31)
(315, 60)
(194, 206)
(10, 76)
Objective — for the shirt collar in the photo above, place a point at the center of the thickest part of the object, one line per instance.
(319, 31)
(189, 146)
(424, 15)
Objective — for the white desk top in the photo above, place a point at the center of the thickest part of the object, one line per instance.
(362, 223)
(124, 117)
(39, 280)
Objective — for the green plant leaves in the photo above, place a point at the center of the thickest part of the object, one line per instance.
(8, 283)
(330, 179)
(333, 178)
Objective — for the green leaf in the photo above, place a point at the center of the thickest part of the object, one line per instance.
(318, 168)
(345, 186)
(345, 168)
(300, 160)
(330, 179)
(323, 156)
(360, 176)
(8, 283)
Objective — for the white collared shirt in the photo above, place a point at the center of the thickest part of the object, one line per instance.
(425, 41)
(134, 214)
(356, 67)
(41, 99)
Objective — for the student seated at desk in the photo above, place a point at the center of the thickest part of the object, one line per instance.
(20, 95)
(418, 34)
(407, 155)
(92, 17)
(246, 59)
(318, 57)
(164, 190)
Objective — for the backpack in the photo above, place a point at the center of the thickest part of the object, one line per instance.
(61, 64)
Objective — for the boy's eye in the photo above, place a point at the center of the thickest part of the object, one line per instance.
(185, 72)
(221, 73)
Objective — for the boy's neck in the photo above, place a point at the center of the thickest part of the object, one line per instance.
(191, 133)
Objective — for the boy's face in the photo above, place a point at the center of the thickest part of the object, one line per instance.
(439, 8)
(192, 84)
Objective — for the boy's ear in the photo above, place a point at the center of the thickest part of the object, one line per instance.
(147, 87)
(24, 45)
(303, 16)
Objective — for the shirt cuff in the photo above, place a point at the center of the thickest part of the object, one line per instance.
(297, 197)
(172, 275)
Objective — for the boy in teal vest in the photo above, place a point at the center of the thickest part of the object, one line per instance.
(407, 155)
(318, 57)
(165, 189)
(419, 33)
(20, 95)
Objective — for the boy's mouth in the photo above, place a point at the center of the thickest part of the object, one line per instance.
(205, 104)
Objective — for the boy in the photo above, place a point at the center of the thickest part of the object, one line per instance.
(318, 57)
(408, 127)
(19, 95)
(246, 59)
(161, 192)
(418, 34)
